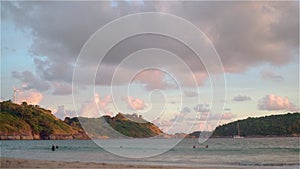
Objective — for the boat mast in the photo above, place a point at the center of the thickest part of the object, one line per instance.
(238, 129)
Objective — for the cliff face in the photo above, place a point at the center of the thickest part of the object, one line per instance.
(27, 122)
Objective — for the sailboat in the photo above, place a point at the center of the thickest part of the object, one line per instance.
(238, 136)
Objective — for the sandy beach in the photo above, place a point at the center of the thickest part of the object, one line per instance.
(25, 163)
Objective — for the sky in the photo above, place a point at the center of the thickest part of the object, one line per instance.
(228, 60)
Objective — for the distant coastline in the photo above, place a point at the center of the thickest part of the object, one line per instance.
(31, 122)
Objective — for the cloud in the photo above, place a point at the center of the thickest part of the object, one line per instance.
(228, 116)
(102, 102)
(135, 103)
(89, 110)
(202, 108)
(273, 102)
(190, 93)
(61, 88)
(269, 39)
(196, 77)
(227, 109)
(30, 96)
(61, 112)
(96, 107)
(207, 116)
(181, 116)
(30, 81)
(263, 33)
(241, 98)
(153, 79)
(266, 74)
(185, 110)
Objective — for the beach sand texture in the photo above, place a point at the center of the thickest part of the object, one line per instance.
(24, 163)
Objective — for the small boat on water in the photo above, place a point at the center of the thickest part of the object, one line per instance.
(238, 136)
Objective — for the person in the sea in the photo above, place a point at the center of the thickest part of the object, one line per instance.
(53, 147)
(56, 146)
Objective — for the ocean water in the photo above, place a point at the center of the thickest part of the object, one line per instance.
(255, 152)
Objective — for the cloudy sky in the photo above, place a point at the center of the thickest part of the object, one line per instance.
(51, 52)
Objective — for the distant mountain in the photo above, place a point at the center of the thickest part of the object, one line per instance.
(33, 122)
(274, 125)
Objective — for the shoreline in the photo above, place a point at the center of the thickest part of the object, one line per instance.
(156, 138)
(7, 162)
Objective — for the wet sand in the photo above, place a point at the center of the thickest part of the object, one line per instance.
(25, 163)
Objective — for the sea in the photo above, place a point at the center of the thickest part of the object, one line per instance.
(277, 152)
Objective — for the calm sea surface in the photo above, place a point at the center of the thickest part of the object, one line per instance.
(258, 152)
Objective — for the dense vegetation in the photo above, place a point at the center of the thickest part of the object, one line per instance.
(133, 128)
(32, 122)
(274, 125)
(119, 126)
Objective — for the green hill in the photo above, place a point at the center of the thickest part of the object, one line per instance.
(32, 122)
(274, 125)
(120, 126)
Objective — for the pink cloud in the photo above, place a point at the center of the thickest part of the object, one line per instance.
(273, 102)
(228, 116)
(191, 79)
(29, 96)
(135, 103)
(203, 116)
(153, 79)
(102, 102)
(199, 77)
(61, 112)
(91, 109)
